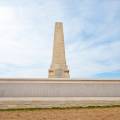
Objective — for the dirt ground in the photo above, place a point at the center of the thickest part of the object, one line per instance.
(63, 114)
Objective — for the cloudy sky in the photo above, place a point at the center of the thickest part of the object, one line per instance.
(92, 37)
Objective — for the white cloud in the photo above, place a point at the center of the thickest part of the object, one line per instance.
(26, 36)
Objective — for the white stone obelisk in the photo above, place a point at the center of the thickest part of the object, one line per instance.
(58, 67)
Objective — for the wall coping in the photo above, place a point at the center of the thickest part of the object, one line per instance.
(47, 80)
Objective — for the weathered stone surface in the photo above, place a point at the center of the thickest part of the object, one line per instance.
(59, 88)
(45, 93)
(58, 67)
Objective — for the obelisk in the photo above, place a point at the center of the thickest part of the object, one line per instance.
(58, 67)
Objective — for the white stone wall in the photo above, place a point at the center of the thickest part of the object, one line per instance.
(59, 88)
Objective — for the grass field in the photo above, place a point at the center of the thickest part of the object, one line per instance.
(90, 113)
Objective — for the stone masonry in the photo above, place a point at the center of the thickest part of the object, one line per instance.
(58, 67)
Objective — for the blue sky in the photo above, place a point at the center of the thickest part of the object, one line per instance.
(92, 37)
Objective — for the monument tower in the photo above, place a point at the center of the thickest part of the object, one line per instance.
(58, 68)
